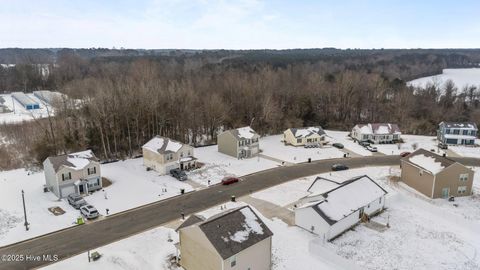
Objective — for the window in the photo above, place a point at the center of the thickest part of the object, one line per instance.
(181, 154)
(309, 140)
(299, 140)
(456, 131)
(465, 132)
(464, 177)
(66, 176)
(380, 200)
(462, 190)
(447, 131)
(91, 170)
(189, 153)
(233, 261)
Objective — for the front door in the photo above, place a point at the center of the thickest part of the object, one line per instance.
(445, 192)
(80, 188)
(181, 166)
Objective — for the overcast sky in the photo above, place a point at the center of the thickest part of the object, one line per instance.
(242, 24)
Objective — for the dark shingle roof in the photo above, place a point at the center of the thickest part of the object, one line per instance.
(193, 219)
(444, 161)
(222, 231)
(58, 161)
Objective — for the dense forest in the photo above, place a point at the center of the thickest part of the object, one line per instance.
(118, 99)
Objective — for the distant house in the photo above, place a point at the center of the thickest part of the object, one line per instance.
(163, 154)
(333, 207)
(303, 136)
(239, 143)
(376, 133)
(436, 176)
(73, 173)
(457, 133)
(235, 239)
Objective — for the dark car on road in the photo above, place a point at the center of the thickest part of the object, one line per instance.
(404, 154)
(179, 174)
(339, 167)
(229, 180)
(338, 145)
(76, 200)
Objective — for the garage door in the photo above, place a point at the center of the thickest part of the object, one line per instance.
(65, 191)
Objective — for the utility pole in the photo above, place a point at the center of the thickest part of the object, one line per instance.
(24, 210)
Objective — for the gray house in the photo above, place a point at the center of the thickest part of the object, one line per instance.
(239, 143)
(457, 133)
(73, 173)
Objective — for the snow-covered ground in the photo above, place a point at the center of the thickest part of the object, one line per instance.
(132, 186)
(273, 147)
(19, 113)
(37, 203)
(343, 138)
(148, 250)
(423, 233)
(461, 77)
(426, 142)
(218, 165)
(467, 151)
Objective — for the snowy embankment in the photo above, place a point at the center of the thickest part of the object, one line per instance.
(132, 186)
(218, 165)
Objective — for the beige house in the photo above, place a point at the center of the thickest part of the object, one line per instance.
(239, 143)
(304, 136)
(235, 239)
(73, 173)
(436, 176)
(163, 154)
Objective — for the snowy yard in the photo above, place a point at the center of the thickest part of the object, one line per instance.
(467, 151)
(132, 186)
(426, 142)
(342, 137)
(273, 147)
(218, 165)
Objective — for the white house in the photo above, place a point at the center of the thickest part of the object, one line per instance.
(338, 206)
(457, 133)
(73, 173)
(376, 133)
(163, 154)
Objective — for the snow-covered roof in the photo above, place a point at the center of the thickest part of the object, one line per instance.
(428, 161)
(233, 231)
(243, 133)
(163, 145)
(322, 185)
(465, 125)
(76, 161)
(379, 128)
(347, 198)
(306, 132)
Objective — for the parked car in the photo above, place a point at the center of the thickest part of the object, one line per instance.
(371, 148)
(404, 154)
(364, 144)
(229, 180)
(338, 145)
(179, 174)
(76, 200)
(442, 145)
(339, 167)
(89, 211)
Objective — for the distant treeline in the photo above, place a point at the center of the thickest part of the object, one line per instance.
(124, 100)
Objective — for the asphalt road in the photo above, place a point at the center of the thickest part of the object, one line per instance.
(79, 239)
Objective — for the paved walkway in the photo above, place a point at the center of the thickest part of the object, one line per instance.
(270, 210)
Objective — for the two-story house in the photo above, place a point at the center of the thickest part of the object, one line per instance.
(239, 143)
(436, 176)
(235, 239)
(376, 133)
(457, 133)
(163, 154)
(73, 173)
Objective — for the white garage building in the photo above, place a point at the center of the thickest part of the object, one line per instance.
(332, 212)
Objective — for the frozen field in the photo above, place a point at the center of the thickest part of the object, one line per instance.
(273, 147)
(460, 76)
(218, 165)
(132, 186)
